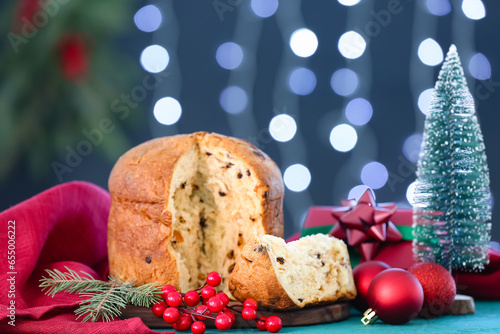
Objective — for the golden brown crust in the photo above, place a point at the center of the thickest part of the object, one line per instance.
(143, 174)
(139, 228)
(253, 277)
(138, 242)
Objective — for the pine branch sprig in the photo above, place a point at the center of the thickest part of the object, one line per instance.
(70, 282)
(142, 295)
(101, 305)
(103, 300)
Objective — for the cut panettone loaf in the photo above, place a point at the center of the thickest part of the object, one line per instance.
(185, 205)
(310, 271)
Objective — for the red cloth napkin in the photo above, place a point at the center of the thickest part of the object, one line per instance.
(63, 226)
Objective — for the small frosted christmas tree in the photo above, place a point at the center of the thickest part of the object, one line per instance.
(452, 208)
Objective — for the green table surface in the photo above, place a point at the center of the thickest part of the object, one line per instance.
(486, 320)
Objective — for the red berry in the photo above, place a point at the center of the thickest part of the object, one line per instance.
(214, 278)
(223, 322)
(198, 327)
(248, 313)
(174, 299)
(191, 298)
(207, 292)
(273, 324)
(158, 308)
(227, 312)
(252, 303)
(166, 290)
(184, 323)
(215, 304)
(261, 324)
(202, 309)
(171, 315)
(224, 297)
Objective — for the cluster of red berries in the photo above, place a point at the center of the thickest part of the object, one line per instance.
(175, 309)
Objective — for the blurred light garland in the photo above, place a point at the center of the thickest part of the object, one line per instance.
(356, 50)
(289, 19)
(170, 88)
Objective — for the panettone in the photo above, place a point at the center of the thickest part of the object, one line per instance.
(313, 270)
(185, 205)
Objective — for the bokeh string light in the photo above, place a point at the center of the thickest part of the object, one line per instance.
(438, 7)
(424, 99)
(344, 82)
(410, 193)
(430, 53)
(154, 58)
(343, 137)
(229, 55)
(167, 110)
(282, 127)
(357, 191)
(233, 99)
(303, 42)
(302, 81)
(264, 8)
(349, 2)
(479, 67)
(351, 45)
(473, 9)
(148, 18)
(297, 177)
(411, 147)
(359, 111)
(374, 175)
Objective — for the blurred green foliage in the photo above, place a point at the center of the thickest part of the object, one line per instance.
(42, 111)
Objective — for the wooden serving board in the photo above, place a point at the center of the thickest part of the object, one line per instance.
(308, 316)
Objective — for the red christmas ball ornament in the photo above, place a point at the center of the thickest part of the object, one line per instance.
(395, 296)
(363, 275)
(439, 288)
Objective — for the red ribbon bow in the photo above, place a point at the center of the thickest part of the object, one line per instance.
(364, 224)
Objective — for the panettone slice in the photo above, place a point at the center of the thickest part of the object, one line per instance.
(310, 271)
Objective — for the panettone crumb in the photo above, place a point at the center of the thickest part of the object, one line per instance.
(312, 269)
(207, 195)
